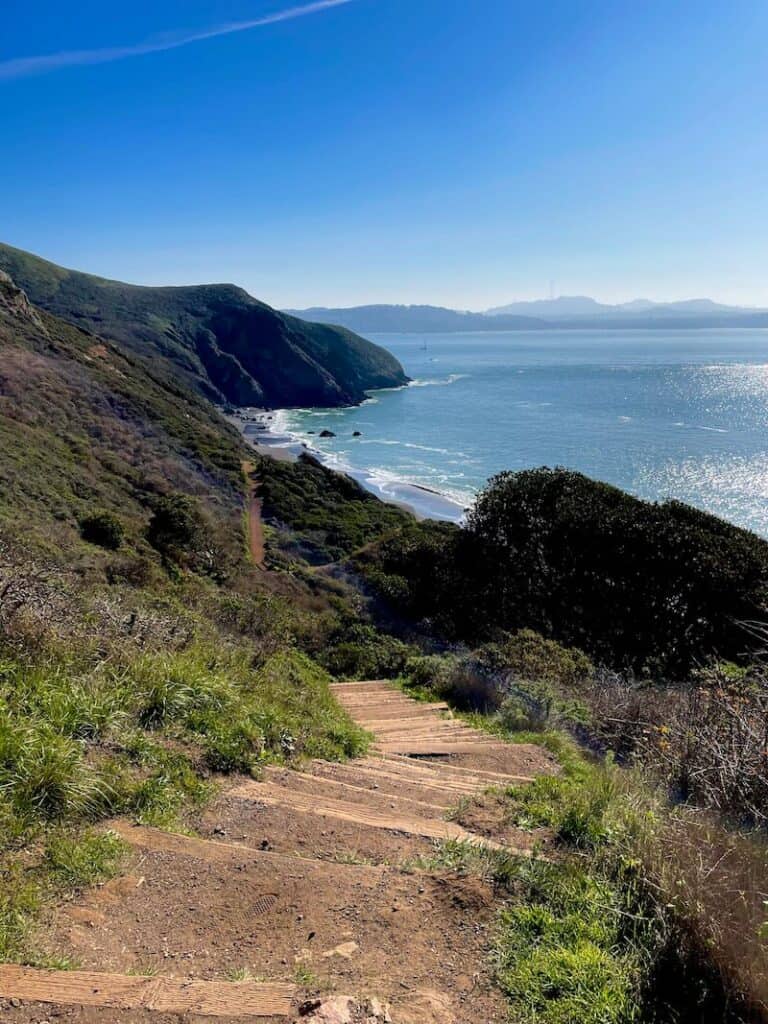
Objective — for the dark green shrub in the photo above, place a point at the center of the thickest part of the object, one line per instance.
(430, 672)
(103, 529)
(176, 526)
(364, 653)
(655, 586)
(329, 515)
(528, 655)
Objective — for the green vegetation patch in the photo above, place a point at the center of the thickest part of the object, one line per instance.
(327, 515)
(652, 587)
(563, 952)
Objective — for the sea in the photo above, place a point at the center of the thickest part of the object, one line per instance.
(660, 413)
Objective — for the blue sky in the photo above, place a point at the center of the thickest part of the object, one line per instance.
(463, 152)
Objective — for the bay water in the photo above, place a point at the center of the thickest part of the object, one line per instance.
(663, 414)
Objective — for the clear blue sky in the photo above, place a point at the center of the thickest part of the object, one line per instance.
(459, 152)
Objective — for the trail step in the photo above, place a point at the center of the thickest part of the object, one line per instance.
(430, 828)
(218, 852)
(350, 787)
(440, 771)
(447, 787)
(439, 747)
(163, 995)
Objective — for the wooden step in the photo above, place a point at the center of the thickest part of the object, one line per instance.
(386, 714)
(163, 995)
(438, 725)
(278, 778)
(446, 789)
(443, 769)
(236, 855)
(410, 719)
(426, 748)
(430, 828)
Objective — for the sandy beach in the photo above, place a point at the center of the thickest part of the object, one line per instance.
(257, 427)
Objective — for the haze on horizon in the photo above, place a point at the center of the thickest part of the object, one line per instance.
(360, 151)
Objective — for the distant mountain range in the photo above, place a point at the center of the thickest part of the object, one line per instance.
(416, 318)
(564, 312)
(569, 306)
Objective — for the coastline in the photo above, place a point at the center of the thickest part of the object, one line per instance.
(260, 429)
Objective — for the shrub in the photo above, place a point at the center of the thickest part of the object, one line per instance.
(329, 515)
(176, 526)
(431, 672)
(74, 861)
(528, 655)
(364, 653)
(103, 529)
(656, 588)
(562, 954)
(49, 777)
(651, 586)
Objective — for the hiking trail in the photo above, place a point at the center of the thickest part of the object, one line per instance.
(302, 896)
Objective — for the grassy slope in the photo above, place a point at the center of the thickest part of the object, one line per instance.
(83, 425)
(216, 337)
(323, 516)
(126, 678)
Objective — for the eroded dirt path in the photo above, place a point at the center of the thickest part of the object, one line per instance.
(313, 887)
(255, 523)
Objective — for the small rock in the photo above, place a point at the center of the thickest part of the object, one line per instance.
(345, 950)
(378, 1010)
(327, 433)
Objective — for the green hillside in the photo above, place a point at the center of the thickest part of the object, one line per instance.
(219, 339)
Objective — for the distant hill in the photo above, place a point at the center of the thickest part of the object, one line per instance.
(382, 319)
(567, 307)
(564, 313)
(563, 306)
(217, 338)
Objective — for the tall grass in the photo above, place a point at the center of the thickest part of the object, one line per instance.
(79, 740)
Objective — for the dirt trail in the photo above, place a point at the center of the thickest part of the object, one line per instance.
(255, 524)
(306, 885)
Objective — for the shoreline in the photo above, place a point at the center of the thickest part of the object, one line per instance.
(257, 428)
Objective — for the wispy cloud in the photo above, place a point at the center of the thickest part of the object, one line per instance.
(22, 66)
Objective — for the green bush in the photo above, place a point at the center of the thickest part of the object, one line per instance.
(327, 515)
(103, 529)
(176, 528)
(75, 861)
(430, 672)
(530, 656)
(651, 586)
(46, 775)
(365, 653)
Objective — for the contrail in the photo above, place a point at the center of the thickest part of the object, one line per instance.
(22, 66)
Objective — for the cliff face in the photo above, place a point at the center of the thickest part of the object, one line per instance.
(218, 338)
(14, 302)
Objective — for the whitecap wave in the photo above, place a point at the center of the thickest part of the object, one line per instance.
(438, 382)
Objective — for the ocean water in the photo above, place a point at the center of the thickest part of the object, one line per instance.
(662, 414)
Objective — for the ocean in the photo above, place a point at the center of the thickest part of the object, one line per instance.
(663, 414)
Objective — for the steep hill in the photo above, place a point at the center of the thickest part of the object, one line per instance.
(84, 427)
(218, 338)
